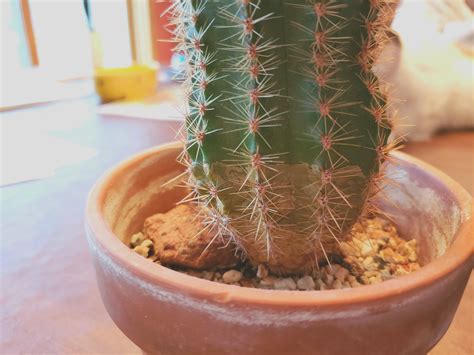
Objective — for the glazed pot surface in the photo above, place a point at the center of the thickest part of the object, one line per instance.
(166, 312)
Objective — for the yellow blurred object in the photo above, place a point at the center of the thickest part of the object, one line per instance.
(125, 84)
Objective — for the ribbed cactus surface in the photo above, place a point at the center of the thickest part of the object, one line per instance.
(286, 128)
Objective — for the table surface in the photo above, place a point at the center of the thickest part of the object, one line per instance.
(50, 303)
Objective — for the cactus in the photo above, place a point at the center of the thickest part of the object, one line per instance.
(287, 127)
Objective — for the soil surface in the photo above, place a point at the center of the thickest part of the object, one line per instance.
(176, 239)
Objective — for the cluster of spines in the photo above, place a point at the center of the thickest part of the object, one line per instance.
(377, 22)
(257, 62)
(322, 57)
(261, 195)
(197, 77)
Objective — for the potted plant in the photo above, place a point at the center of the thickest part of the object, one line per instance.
(286, 148)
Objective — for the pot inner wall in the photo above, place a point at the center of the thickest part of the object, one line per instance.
(421, 205)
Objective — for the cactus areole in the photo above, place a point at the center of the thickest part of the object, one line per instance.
(287, 127)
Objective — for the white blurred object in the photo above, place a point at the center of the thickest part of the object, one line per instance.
(431, 67)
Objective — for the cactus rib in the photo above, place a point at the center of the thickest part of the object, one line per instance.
(287, 125)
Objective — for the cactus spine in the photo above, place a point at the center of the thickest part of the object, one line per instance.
(287, 126)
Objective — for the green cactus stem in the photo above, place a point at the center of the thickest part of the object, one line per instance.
(287, 126)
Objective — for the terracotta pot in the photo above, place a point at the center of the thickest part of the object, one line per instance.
(166, 312)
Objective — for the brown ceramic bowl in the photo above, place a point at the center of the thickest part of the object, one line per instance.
(166, 312)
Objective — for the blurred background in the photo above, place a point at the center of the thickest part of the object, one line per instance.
(48, 44)
(87, 83)
(93, 57)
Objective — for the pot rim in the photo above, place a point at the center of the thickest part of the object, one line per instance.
(458, 253)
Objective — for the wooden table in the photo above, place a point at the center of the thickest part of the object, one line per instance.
(50, 303)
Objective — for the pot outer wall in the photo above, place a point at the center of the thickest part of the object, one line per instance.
(165, 312)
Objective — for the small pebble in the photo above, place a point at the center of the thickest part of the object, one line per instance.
(373, 280)
(388, 255)
(317, 274)
(367, 249)
(370, 264)
(147, 243)
(267, 282)
(306, 283)
(208, 275)
(329, 279)
(409, 249)
(285, 284)
(136, 239)
(355, 284)
(321, 285)
(332, 269)
(336, 284)
(385, 273)
(379, 261)
(382, 242)
(140, 249)
(349, 249)
(392, 243)
(262, 271)
(247, 283)
(231, 276)
(341, 274)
